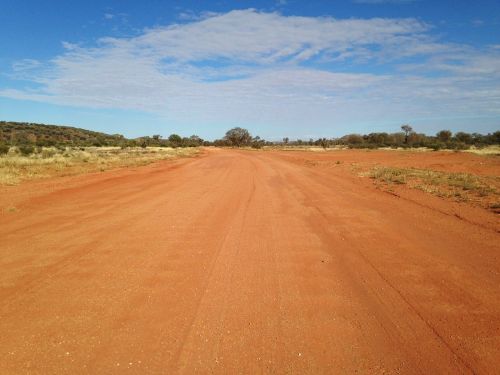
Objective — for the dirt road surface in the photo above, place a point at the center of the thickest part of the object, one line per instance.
(241, 262)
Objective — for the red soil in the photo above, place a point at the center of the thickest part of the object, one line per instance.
(248, 262)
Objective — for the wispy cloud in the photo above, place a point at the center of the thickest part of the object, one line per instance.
(189, 15)
(265, 68)
(25, 64)
(477, 22)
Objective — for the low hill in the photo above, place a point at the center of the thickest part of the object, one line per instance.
(19, 133)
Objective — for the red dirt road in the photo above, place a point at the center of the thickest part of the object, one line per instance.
(242, 262)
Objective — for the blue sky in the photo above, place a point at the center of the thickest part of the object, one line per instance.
(279, 68)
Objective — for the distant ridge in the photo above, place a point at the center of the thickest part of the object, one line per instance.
(13, 133)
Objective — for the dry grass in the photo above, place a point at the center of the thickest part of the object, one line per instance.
(484, 190)
(304, 148)
(49, 162)
(409, 149)
(490, 150)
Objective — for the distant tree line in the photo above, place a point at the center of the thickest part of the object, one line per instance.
(174, 140)
(406, 138)
(29, 137)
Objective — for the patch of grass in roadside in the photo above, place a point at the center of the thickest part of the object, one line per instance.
(489, 150)
(458, 186)
(16, 166)
(389, 175)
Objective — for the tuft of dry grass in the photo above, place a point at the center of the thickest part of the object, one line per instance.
(489, 150)
(49, 162)
(484, 190)
(304, 148)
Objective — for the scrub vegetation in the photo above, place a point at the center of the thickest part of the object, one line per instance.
(484, 190)
(30, 151)
(24, 135)
(16, 165)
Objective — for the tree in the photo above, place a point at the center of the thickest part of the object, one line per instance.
(238, 137)
(378, 139)
(323, 142)
(285, 140)
(407, 130)
(444, 135)
(257, 142)
(195, 141)
(353, 139)
(175, 139)
(464, 137)
(495, 137)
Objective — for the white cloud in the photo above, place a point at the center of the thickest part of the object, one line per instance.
(25, 64)
(264, 68)
(265, 37)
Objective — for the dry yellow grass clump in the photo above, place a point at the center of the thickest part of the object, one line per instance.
(490, 150)
(48, 162)
(484, 190)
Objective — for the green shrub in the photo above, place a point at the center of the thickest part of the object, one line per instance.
(4, 149)
(435, 146)
(26, 149)
(459, 146)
